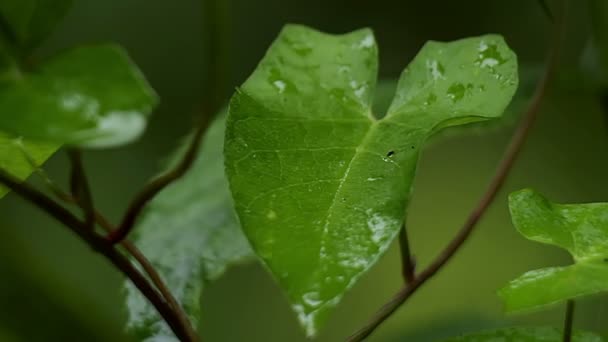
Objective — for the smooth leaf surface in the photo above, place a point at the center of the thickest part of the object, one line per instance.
(320, 185)
(544, 334)
(191, 235)
(29, 22)
(89, 96)
(581, 229)
(19, 156)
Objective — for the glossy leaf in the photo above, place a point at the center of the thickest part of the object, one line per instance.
(544, 334)
(190, 234)
(29, 22)
(320, 185)
(19, 157)
(89, 96)
(581, 229)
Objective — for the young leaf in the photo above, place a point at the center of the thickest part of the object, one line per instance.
(581, 229)
(19, 156)
(543, 334)
(89, 96)
(321, 185)
(190, 234)
(29, 22)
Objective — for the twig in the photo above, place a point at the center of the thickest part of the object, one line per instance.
(215, 20)
(568, 321)
(158, 184)
(100, 245)
(129, 247)
(80, 188)
(512, 151)
(408, 263)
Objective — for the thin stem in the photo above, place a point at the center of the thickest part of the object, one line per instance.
(151, 272)
(568, 321)
(408, 263)
(100, 245)
(215, 30)
(516, 143)
(132, 250)
(158, 184)
(81, 190)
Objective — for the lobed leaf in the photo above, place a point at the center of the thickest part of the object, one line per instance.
(29, 22)
(19, 157)
(543, 334)
(190, 233)
(320, 184)
(581, 229)
(88, 96)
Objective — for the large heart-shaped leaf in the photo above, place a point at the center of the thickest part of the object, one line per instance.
(544, 334)
(321, 185)
(190, 233)
(89, 96)
(29, 22)
(19, 157)
(581, 229)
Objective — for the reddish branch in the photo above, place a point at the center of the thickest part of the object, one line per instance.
(102, 246)
(517, 141)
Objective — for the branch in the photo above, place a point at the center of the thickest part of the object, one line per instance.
(100, 245)
(568, 321)
(80, 185)
(158, 184)
(408, 263)
(80, 188)
(215, 30)
(517, 141)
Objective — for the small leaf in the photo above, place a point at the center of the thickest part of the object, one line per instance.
(544, 334)
(321, 185)
(19, 157)
(89, 96)
(29, 22)
(190, 234)
(581, 229)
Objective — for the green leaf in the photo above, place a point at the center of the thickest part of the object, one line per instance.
(19, 157)
(544, 334)
(581, 229)
(29, 22)
(90, 96)
(190, 233)
(320, 185)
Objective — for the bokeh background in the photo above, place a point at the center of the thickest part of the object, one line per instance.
(53, 288)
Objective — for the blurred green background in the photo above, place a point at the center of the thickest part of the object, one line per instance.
(53, 288)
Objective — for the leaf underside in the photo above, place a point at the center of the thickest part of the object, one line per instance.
(190, 233)
(528, 334)
(581, 229)
(320, 185)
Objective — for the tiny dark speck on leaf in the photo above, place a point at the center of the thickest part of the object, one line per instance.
(390, 153)
(605, 259)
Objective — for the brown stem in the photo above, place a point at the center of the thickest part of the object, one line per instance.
(510, 155)
(158, 184)
(152, 273)
(215, 30)
(568, 321)
(81, 190)
(100, 245)
(408, 263)
(80, 184)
